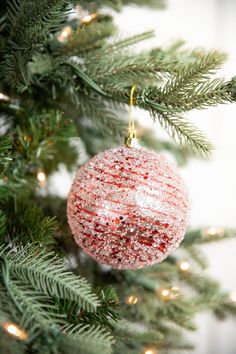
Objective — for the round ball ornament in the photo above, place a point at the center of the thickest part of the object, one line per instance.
(128, 207)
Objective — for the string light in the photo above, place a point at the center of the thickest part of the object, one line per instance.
(63, 36)
(150, 351)
(184, 266)
(131, 300)
(27, 138)
(88, 18)
(164, 294)
(167, 294)
(41, 178)
(4, 97)
(214, 231)
(232, 296)
(15, 331)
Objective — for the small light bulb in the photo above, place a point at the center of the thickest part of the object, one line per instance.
(66, 31)
(184, 266)
(88, 18)
(167, 294)
(41, 178)
(164, 293)
(150, 351)
(4, 97)
(131, 300)
(214, 231)
(175, 292)
(14, 330)
(211, 231)
(27, 138)
(232, 296)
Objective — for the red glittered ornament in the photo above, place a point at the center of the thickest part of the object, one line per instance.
(128, 207)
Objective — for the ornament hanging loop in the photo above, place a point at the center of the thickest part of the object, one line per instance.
(131, 139)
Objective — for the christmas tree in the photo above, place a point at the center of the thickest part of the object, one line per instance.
(65, 85)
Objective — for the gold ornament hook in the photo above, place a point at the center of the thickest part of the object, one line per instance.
(131, 139)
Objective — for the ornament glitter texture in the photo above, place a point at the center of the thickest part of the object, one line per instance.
(128, 207)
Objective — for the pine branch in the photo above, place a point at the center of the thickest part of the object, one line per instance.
(106, 315)
(117, 5)
(43, 139)
(195, 73)
(101, 114)
(9, 345)
(128, 70)
(202, 284)
(175, 125)
(3, 226)
(184, 132)
(180, 312)
(231, 88)
(38, 311)
(45, 273)
(89, 38)
(90, 339)
(39, 314)
(27, 223)
(128, 330)
(41, 64)
(119, 45)
(196, 256)
(5, 153)
(29, 25)
(108, 312)
(207, 235)
(202, 95)
(224, 307)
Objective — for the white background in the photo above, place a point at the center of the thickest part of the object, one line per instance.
(212, 184)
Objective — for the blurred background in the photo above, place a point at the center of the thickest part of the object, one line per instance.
(212, 184)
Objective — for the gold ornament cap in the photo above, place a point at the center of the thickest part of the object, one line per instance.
(131, 139)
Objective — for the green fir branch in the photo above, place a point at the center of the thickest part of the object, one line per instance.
(184, 132)
(117, 5)
(27, 223)
(207, 235)
(90, 339)
(38, 311)
(196, 72)
(86, 39)
(119, 45)
(46, 273)
(5, 153)
(29, 26)
(9, 345)
(3, 226)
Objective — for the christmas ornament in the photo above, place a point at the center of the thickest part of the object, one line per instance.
(128, 206)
